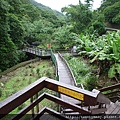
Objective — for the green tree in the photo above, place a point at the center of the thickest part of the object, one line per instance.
(79, 16)
(16, 29)
(89, 3)
(97, 24)
(111, 11)
(8, 54)
(64, 38)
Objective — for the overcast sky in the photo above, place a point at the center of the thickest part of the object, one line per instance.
(58, 4)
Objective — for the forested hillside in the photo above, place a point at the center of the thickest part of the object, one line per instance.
(43, 7)
(25, 21)
(21, 23)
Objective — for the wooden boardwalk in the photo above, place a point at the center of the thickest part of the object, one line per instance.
(65, 77)
(38, 52)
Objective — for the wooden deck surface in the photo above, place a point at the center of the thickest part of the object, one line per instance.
(113, 108)
(65, 77)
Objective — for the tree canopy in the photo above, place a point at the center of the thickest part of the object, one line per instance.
(111, 11)
(21, 22)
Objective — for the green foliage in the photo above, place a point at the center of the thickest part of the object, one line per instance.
(64, 38)
(111, 12)
(21, 23)
(106, 3)
(16, 29)
(116, 19)
(99, 27)
(79, 16)
(110, 9)
(114, 70)
(0, 91)
(24, 76)
(103, 48)
(88, 3)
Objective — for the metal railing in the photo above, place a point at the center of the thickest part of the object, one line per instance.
(111, 29)
(37, 51)
(55, 64)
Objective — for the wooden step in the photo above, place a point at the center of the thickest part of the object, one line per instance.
(117, 109)
(98, 110)
(113, 108)
(69, 111)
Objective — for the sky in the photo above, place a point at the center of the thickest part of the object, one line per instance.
(58, 4)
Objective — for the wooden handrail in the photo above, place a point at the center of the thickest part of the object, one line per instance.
(51, 112)
(112, 92)
(21, 96)
(90, 98)
(52, 98)
(110, 87)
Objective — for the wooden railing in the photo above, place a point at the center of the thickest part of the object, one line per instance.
(12, 102)
(112, 92)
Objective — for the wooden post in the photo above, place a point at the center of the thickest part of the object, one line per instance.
(31, 100)
(37, 106)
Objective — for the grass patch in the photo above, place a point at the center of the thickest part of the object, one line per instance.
(24, 76)
(17, 66)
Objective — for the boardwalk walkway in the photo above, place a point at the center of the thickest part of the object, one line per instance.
(38, 52)
(65, 77)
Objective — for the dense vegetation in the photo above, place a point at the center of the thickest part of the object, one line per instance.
(22, 23)
(25, 22)
(103, 50)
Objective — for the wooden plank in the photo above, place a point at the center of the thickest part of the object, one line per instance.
(116, 110)
(98, 110)
(111, 108)
(110, 87)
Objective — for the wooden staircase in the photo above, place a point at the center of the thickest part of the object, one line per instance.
(113, 108)
(91, 99)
